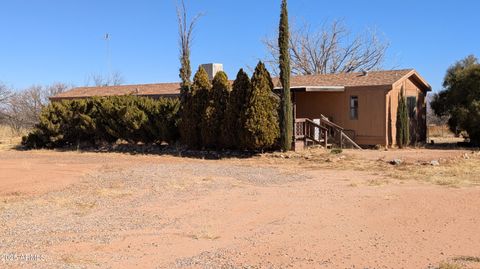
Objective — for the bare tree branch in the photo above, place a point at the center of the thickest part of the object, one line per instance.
(117, 79)
(330, 49)
(5, 95)
(57, 88)
(99, 80)
(185, 33)
(22, 109)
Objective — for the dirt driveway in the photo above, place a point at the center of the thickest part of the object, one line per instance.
(87, 210)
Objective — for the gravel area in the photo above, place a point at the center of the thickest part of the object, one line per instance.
(106, 203)
(87, 210)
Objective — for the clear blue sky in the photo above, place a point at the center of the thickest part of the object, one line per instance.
(45, 41)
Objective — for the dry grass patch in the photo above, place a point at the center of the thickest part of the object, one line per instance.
(467, 259)
(114, 193)
(448, 265)
(461, 262)
(353, 185)
(14, 194)
(378, 182)
(184, 184)
(80, 208)
(203, 235)
(452, 172)
(72, 260)
(9, 138)
(84, 208)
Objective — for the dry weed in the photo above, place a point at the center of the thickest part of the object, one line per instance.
(9, 138)
(72, 260)
(448, 265)
(114, 193)
(454, 172)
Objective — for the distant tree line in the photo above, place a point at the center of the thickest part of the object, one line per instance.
(20, 109)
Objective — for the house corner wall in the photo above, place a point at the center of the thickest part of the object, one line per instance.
(418, 128)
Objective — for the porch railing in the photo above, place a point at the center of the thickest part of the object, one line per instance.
(319, 133)
(308, 130)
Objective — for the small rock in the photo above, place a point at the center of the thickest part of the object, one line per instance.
(396, 162)
(465, 156)
(434, 163)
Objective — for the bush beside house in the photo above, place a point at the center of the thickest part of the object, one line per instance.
(261, 115)
(105, 120)
(403, 122)
(210, 116)
(194, 106)
(235, 115)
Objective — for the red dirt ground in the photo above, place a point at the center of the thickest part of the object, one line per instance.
(262, 213)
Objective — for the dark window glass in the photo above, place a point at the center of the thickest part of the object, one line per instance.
(354, 107)
(412, 106)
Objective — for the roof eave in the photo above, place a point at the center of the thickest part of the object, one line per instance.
(316, 88)
(426, 86)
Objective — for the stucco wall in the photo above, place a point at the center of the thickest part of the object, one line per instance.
(370, 128)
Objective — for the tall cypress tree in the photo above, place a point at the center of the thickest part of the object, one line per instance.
(194, 109)
(234, 121)
(286, 113)
(215, 112)
(403, 130)
(185, 73)
(261, 115)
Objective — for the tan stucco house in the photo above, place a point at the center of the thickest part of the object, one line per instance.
(363, 104)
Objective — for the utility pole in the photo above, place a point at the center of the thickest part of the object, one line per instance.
(109, 60)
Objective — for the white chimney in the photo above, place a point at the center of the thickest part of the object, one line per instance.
(212, 69)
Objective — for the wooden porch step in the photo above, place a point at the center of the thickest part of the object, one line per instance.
(310, 143)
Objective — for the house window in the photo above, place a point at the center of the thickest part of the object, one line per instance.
(412, 106)
(354, 107)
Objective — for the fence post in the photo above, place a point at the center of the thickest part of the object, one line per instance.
(325, 133)
(305, 133)
(341, 139)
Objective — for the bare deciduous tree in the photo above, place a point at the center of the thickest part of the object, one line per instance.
(185, 33)
(22, 109)
(4, 96)
(98, 80)
(330, 49)
(4, 93)
(117, 79)
(56, 88)
(432, 118)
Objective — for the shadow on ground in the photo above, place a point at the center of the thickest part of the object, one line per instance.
(160, 150)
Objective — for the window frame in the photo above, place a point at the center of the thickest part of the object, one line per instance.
(412, 109)
(354, 107)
